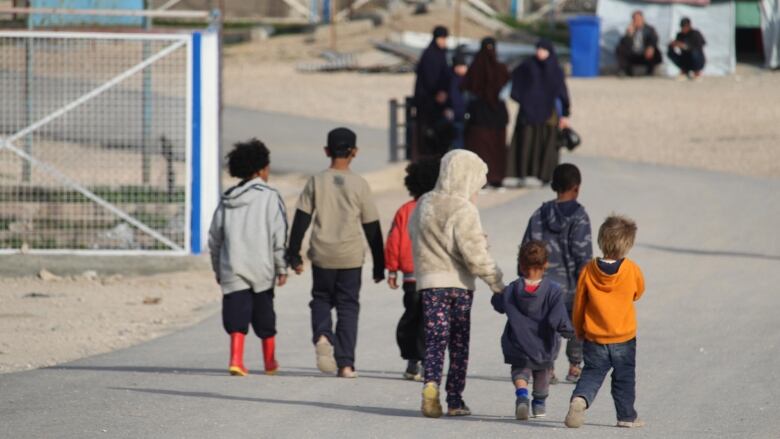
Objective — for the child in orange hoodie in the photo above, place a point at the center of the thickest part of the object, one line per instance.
(604, 317)
(420, 179)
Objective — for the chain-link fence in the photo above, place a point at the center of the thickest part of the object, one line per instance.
(94, 135)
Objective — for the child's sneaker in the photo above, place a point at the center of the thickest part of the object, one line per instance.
(463, 410)
(347, 372)
(521, 409)
(431, 406)
(413, 371)
(325, 361)
(576, 416)
(538, 408)
(574, 373)
(636, 423)
(553, 378)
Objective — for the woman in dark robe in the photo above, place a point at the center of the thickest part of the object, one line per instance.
(488, 117)
(538, 86)
(430, 95)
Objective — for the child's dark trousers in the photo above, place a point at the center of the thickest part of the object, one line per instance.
(599, 359)
(239, 308)
(447, 325)
(410, 333)
(340, 289)
(541, 380)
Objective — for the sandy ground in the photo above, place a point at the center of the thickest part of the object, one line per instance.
(46, 322)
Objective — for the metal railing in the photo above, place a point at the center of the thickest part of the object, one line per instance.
(406, 125)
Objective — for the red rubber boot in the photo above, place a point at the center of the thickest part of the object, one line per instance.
(236, 367)
(269, 356)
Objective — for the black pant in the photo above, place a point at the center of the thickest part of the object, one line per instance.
(627, 59)
(687, 60)
(339, 288)
(410, 333)
(239, 308)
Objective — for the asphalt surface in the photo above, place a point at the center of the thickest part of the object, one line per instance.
(708, 344)
(296, 142)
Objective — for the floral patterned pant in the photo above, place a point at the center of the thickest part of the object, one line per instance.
(447, 314)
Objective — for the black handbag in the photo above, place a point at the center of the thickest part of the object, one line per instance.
(569, 139)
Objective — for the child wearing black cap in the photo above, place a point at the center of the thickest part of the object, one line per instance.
(345, 211)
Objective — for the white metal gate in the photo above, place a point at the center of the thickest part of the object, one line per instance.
(95, 142)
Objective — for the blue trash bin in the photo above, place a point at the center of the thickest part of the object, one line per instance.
(584, 34)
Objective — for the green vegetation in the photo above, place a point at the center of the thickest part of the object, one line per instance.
(120, 194)
(558, 33)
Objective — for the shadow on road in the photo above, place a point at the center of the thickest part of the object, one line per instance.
(691, 251)
(382, 411)
(303, 372)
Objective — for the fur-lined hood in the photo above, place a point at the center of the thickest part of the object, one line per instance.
(462, 174)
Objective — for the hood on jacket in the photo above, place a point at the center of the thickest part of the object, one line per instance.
(462, 174)
(242, 195)
(554, 219)
(605, 283)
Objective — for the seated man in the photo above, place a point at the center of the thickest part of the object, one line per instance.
(639, 46)
(687, 50)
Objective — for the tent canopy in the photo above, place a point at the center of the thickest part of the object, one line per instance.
(715, 21)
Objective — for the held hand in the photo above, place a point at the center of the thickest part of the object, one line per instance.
(563, 123)
(392, 282)
(441, 97)
(449, 114)
(298, 269)
(649, 52)
(281, 280)
(630, 30)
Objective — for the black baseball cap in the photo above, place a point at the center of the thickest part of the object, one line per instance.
(341, 140)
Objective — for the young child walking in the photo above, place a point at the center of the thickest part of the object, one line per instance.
(450, 249)
(420, 178)
(535, 314)
(246, 241)
(340, 204)
(604, 316)
(564, 226)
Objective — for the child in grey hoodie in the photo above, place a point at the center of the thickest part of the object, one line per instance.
(247, 245)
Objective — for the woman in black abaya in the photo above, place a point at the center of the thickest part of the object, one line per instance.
(537, 84)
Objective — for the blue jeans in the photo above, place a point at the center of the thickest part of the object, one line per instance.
(599, 359)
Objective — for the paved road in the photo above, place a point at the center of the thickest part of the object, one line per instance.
(707, 355)
(296, 142)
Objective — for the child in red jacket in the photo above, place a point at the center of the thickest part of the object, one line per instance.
(420, 178)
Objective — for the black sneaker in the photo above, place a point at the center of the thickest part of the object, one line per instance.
(538, 408)
(413, 371)
(521, 409)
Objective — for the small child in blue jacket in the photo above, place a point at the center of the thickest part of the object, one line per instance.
(536, 314)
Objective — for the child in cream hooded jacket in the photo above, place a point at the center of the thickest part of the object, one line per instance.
(450, 250)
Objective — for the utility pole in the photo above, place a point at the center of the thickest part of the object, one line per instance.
(456, 27)
(332, 14)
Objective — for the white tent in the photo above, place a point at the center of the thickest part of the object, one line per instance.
(716, 21)
(770, 29)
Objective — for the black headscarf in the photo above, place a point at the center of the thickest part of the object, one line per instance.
(433, 76)
(536, 85)
(486, 76)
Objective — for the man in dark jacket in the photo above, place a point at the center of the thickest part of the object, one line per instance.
(639, 46)
(687, 50)
(430, 92)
